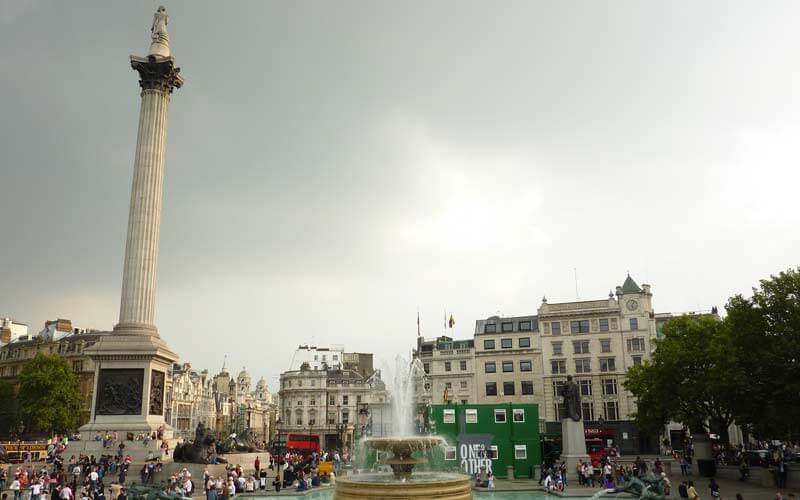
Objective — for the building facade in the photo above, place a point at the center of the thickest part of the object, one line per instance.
(318, 357)
(508, 360)
(190, 401)
(334, 404)
(57, 337)
(449, 367)
(239, 406)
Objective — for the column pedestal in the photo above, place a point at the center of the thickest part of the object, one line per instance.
(573, 446)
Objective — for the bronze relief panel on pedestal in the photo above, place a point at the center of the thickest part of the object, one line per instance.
(119, 391)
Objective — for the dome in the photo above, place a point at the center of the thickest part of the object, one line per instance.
(243, 375)
(261, 384)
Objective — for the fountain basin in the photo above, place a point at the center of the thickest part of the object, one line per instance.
(438, 485)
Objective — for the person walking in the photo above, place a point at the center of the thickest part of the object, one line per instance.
(714, 487)
(15, 488)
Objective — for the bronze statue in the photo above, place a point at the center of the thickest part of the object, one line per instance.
(572, 399)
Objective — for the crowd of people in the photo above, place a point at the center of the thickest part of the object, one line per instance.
(83, 477)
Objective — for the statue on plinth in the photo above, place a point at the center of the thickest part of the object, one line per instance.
(572, 399)
(159, 26)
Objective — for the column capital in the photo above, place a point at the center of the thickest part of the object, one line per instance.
(157, 73)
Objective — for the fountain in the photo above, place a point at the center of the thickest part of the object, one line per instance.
(403, 482)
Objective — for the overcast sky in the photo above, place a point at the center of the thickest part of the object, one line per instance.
(332, 167)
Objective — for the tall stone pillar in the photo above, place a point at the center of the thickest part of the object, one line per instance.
(158, 77)
(132, 363)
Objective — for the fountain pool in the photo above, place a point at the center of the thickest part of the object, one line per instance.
(327, 494)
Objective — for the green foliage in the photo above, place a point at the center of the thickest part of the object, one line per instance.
(689, 379)
(765, 336)
(708, 373)
(49, 395)
(9, 419)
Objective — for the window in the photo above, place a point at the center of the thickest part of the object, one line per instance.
(558, 366)
(331, 420)
(312, 419)
(581, 347)
(490, 367)
(471, 415)
(612, 410)
(634, 324)
(449, 416)
(525, 342)
(557, 386)
(636, 344)
(580, 326)
(299, 383)
(507, 327)
(586, 387)
(345, 417)
(527, 387)
(608, 365)
(298, 419)
(605, 345)
(587, 410)
(637, 360)
(450, 453)
(491, 388)
(299, 402)
(313, 402)
(462, 365)
(493, 452)
(499, 416)
(332, 401)
(426, 367)
(609, 386)
(604, 324)
(557, 348)
(449, 385)
(525, 366)
(358, 399)
(427, 386)
(77, 366)
(525, 326)
(490, 328)
(555, 327)
(518, 415)
(447, 366)
(520, 452)
(583, 365)
(508, 366)
(506, 343)
(508, 388)
(488, 344)
(345, 400)
(463, 384)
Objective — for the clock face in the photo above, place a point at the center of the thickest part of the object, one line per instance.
(632, 305)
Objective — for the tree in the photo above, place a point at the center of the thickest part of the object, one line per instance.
(765, 334)
(49, 396)
(690, 378)
(8, 410)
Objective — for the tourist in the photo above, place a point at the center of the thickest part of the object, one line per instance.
(116, 489)
(691, 493)
(548, 482)
(781, 471)
(250, 485)
(490, 481)
(36, 489)
(714, 487)
(257, 465)
(66, 493)
(15, 488)
(580, 471)
(3, 479)
(211, 492)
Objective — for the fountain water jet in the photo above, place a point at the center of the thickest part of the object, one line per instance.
(404, 483)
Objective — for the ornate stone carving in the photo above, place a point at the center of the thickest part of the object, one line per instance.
(156, 393)
(119, 391)
(157, 73)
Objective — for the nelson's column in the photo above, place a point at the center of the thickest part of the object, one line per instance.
(133, 361)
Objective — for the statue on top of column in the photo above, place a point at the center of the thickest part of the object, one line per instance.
(159, 27)
(572, 399)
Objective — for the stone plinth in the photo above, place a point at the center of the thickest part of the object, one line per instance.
(573, 446)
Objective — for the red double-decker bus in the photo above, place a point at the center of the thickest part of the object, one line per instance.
(296, 443)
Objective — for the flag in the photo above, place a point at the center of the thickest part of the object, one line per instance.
(452, 322)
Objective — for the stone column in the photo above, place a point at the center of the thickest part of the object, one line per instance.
(158, 78)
